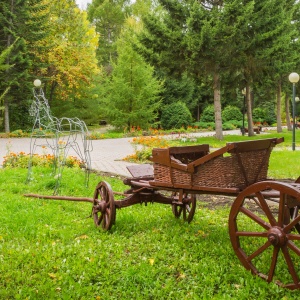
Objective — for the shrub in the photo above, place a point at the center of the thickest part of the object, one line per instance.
(259, 115)
(205, 125)
(208, 114)
(228, 126)
(176, 115)
(21, 160)
(270, 113)
(231, 113)
(239, 124)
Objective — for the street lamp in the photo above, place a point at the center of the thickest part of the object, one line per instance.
(294, 78)
(244, 94)
(37, 83)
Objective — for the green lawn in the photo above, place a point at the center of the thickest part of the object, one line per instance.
(52, 250)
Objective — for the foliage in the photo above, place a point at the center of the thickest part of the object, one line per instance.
(131, 97)
(108, 17)
(87, 110)
(208, 114)
(21, 159)
(205, 125)
(259, 115)
(71, 61)
(270, 113)
(265, 114)
(143, 153)
(176, 115)
(13, 21)
(228, 126)
(231, 113)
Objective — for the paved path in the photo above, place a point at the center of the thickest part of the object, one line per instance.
(106, 156)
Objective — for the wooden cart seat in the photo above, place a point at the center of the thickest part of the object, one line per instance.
(229, 169)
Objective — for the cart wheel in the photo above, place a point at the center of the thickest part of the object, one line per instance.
(263, 234)
(187, 207)
(104, 210)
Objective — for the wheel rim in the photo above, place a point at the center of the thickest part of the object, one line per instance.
(187, 207)
(104, 211)
(263, 235)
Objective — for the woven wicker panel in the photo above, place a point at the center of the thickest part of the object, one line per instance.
(220, 172)
(256, 165)
(181, 177)
(162, 173)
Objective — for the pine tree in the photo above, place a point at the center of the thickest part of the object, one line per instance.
(132, 93)
(18, 24)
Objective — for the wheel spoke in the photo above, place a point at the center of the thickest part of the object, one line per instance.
(100, 218)
(290, 265)
(293, 247)
(273, 264)
(266, 209)
(184, 212)
(293, 237)
(255, 218)
(289, 227)
(251, 234)
(259, 251)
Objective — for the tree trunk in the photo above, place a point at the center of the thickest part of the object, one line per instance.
(6, 115)
(217, 106)
(278, 113)
(249, 111)
(6, 98)
(287, 113)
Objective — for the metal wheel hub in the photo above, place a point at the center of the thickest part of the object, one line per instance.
(277, 237)
(100, 207)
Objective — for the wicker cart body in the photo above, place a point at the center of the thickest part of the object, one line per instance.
(229, 169)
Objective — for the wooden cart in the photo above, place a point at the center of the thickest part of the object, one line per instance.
(263, 221)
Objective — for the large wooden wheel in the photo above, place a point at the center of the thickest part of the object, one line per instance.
(186, 206)
(263, 233)
(104, 210)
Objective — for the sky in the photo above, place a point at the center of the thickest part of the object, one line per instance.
(83, 3)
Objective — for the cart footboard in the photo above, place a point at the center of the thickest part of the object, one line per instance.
(265, 234)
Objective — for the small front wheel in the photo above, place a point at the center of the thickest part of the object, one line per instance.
(187, 206)
(104, 210)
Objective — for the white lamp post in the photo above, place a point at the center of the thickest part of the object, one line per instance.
(37, 83)
(294, 78)
(244, 94)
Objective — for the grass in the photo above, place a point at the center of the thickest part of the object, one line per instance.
(52, 250)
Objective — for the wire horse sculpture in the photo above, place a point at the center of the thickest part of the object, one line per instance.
(58, 134)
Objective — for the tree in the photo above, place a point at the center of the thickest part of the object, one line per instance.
(108, 17)
(71, 63)
(274, 31)
(131, 95)
(22, 23)
(12, 17)
(3, 68)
